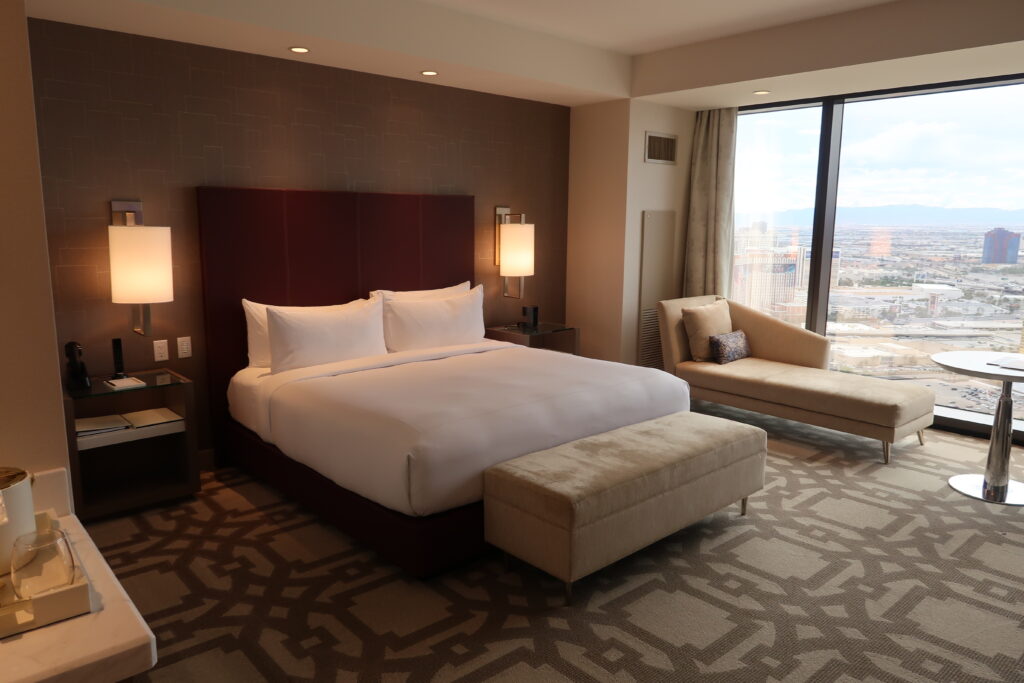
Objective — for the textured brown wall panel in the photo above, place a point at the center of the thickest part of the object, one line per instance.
(125, 117)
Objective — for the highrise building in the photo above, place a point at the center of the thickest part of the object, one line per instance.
(765, 278)
(1001, 246)
(804, 261)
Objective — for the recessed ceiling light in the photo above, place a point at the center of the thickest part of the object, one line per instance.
(762, 92)
(300, 50)
(429, 73)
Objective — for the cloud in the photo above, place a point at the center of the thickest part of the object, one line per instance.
(955, 149)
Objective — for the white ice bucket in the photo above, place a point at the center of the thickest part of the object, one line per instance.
(17, 512)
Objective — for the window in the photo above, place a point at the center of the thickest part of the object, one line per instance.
(925, 243)
(928, 227)
(776, 161)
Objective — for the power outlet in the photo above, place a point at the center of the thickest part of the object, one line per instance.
(160, 350)
(184, 347)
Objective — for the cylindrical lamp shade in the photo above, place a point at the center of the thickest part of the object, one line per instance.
(140, 264)
(515, 250)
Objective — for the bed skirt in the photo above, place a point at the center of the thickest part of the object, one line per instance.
(420, 546)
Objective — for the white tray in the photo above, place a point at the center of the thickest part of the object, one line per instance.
(17, 616)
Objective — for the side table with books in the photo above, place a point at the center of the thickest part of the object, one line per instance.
(132, 447)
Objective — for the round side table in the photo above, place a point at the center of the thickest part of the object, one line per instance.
(995, 486)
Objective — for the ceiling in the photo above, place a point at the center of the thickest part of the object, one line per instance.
(637, 26)
(694, 54)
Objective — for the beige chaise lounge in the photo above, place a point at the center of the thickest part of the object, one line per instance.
(787, 376)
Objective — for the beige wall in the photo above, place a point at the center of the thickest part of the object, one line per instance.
(610, 186)
(598, 154)
(891, 31)
(652, 187)
(32, 432)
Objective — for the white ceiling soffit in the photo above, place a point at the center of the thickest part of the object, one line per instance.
(396, 38)
(981, 62)
(911, 42)
(639, 26)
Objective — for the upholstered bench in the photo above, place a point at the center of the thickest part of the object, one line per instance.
(575, 508)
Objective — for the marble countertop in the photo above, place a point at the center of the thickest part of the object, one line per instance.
(111, 644)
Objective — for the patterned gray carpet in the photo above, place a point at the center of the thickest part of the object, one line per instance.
(845, 570)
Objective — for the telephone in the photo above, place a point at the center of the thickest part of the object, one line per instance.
(78, 375)
(532, 314)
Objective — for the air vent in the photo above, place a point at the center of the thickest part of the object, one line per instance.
(649, 353)
(660, 148)
(658, 281)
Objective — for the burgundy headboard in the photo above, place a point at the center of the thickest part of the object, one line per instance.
(308, 248)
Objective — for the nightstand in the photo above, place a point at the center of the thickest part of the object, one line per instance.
(122, 470)
(553, 336)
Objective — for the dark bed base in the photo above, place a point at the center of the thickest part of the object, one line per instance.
(315, 247)
(420, 546)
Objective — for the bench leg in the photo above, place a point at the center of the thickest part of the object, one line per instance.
(743, 507)
(920, 436)
(568, 593)
(886, 452)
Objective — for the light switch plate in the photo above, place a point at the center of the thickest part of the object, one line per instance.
(184, 347)
(160, 350)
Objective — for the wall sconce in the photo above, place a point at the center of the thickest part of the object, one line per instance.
(140, 263)
(513, 250)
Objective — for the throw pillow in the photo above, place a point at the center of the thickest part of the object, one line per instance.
(729, 347)
(702, 323)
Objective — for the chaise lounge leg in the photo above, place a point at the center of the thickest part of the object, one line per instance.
(886, 452)
(743, 507)
(568, 593)
(920, 436)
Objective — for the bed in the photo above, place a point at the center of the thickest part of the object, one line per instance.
(389, 448)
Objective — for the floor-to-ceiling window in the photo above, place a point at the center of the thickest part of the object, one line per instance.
(930, 208)
(923, 252)
(776, 158)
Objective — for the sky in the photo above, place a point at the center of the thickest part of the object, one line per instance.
(957, 149)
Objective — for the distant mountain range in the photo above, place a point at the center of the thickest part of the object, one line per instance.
(902, 215)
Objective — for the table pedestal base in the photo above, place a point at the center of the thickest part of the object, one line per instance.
(973, 484)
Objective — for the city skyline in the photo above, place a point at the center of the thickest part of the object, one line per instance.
(895, 215)
(896, 297)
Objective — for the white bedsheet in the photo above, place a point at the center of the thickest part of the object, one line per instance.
(415, 430)
(244, 396)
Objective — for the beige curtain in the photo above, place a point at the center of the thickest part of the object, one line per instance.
(707, 249)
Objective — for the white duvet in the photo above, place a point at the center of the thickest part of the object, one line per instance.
(415, 430)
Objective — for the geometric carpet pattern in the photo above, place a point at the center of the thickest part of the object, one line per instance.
(844, 570)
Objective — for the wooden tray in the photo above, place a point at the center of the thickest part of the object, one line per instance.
(18, 616)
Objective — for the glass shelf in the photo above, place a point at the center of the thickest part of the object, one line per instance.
(154, 379)
(542, 328)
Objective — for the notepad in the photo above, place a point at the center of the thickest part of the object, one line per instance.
(153, 416)
(99, 425)
(1008, 362)
(124, 383)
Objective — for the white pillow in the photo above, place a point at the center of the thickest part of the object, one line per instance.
(256, 328)
(420, 294)
(426, 323)
(301, 337)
